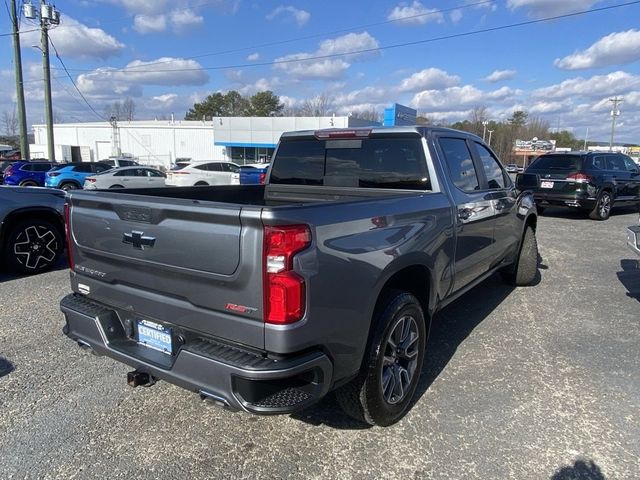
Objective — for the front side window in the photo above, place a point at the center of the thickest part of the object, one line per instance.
(629, 163)
(458, 158)
(492, 169)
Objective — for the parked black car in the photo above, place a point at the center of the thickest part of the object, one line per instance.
(592, 181)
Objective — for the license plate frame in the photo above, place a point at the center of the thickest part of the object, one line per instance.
(154, 335)
(546, 184)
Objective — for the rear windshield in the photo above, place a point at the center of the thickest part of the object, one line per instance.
(557, 162)
(396, 163)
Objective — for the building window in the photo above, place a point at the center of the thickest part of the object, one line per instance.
(244, 155)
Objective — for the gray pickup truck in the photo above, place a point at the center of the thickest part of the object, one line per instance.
(266, 297)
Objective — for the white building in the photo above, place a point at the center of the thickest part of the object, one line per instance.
(160, 142)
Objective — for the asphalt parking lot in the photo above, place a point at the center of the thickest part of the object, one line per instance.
(531, 383)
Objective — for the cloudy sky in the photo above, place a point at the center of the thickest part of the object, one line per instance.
(442, 57)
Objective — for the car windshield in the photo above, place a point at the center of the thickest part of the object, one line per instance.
(179, 166)
(557, 162)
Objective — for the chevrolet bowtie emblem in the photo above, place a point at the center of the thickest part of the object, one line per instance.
(138, 240)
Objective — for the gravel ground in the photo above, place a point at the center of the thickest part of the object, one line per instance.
(531, 383)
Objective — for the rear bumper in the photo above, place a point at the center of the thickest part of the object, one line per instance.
(237, 378)
(633, 238)
(575, 200)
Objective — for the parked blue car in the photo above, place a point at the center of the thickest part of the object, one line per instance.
(253, 174)
(27, 174)
(71, 176)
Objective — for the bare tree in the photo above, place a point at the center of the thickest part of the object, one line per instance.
(317, 106)
(479, 114)
(128, 109)
(113, 110)
(371, 115)
(10, 123)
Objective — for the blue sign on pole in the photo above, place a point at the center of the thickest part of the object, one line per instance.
(398, 114)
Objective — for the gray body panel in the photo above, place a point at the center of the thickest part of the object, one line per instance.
(207, 253)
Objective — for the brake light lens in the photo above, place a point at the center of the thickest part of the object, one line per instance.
(284, 289)
(8, 171)
(262, 178)
(579, 177)
(342, 133)
(67, 234)
(90, 180)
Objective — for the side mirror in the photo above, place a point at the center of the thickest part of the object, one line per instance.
(526, 181)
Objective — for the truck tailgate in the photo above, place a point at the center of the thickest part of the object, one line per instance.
(173, 260)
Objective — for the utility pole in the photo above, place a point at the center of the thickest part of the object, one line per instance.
(48, 16)
(614, 114)
(17, 60)
(586, 137)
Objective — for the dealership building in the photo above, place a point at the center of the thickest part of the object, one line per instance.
(160, 142)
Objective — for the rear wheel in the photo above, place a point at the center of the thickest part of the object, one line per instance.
(201, 184)
(116, 186)
(602, 210)
(32, 246)
(524, 270)
(383, 391)
(69, 186)
(28, 183)
(540, 209)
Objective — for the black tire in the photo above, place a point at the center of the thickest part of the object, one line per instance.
(525, 269)
(116, 186)
(602, 210)
(540, 209)
(400, 321)
(201, 184)
(69, 186)
(28, 183)
(32, 246)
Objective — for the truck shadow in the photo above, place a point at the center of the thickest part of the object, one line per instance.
(580, 470)
(630, 277)
(578, 214)
(5, 276)
(449, 328)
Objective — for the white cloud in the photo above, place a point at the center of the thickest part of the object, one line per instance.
(428, 79)
(329, 68)
(301, 17)
(164, 71)
(415, 14)
(76, 40)
(253, 57)
(456, 15)
(499, 75)
(618, 48)
(546, 8)
(615, 83)
(150, 23)
(183, 19)
(547, 107)
(458, 98)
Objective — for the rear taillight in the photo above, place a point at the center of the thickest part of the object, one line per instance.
(67, 233)
(91, 180)
(179, 173)
(8, 171)
(579, 177)
(342, 133)
(262, 178)
(284, 289)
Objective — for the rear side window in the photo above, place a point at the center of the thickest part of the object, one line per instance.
(458, 158)
(27, 167)
(598, 163)
(396, 163)
(557, 162)
(85, 168)
(614, 162)
(41, 167)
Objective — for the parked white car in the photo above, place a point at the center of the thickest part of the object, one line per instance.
(126, 177)
(204, 173)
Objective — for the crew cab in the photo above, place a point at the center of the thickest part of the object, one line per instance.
(264, 298)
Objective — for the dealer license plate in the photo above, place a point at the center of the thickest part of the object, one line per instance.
(546, 184)
(154, 335)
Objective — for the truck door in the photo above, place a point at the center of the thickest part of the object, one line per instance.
(502, 192)
(475, 212)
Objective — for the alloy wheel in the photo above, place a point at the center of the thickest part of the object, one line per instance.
(400, 359)
(605, 205)
(35, 247)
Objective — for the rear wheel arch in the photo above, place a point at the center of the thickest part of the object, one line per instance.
(69, 184)
(18, 216)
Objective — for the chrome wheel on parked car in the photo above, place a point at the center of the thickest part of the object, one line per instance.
(33, 247)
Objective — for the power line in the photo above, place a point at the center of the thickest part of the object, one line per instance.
(73, 82)
(371, 50)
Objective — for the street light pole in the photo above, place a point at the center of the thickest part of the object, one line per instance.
(22, 116)
(484, 129)
(490, 132)
(614, 114)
